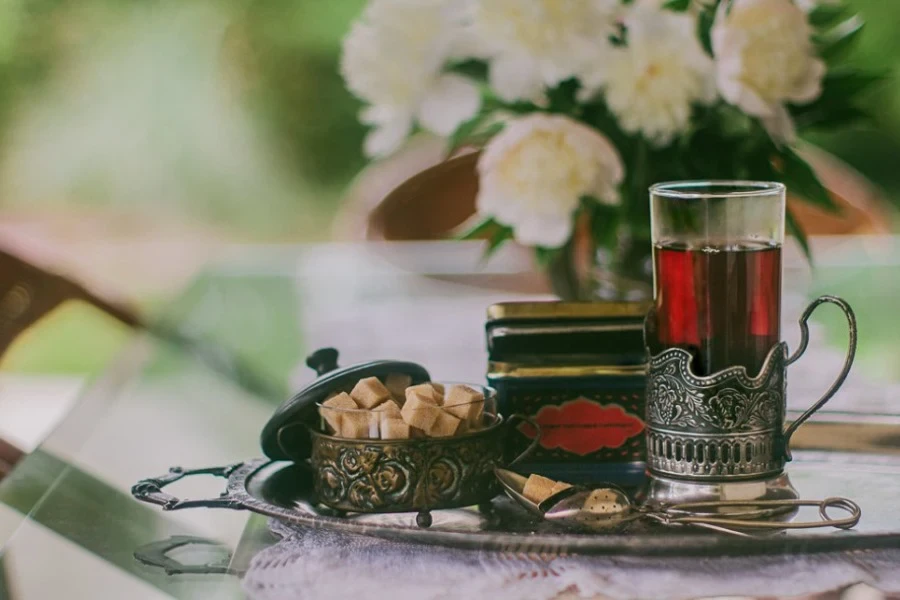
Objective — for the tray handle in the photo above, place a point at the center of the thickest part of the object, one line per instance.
(150, 490)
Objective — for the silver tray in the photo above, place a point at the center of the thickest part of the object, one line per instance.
(283, 491)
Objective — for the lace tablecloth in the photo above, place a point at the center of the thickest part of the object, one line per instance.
(321, 564)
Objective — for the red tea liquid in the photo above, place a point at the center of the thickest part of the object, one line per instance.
(721, 303)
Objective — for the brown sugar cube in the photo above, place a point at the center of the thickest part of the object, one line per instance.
(388, 410)
(394, 429)
(424, 391)
(415, 433)
(444, 426)
(360, 425)
(560, 486)
(464, 403)
(438, 389)
(419, 411)
(333, 409)
(538, 488)
(396, 383)
(369, 393)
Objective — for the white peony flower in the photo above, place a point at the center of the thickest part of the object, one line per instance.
(535, 43)
(392, 59)
(534, 173)
(652, 83)
(765, 58)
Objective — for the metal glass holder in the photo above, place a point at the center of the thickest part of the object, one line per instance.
(728, 426)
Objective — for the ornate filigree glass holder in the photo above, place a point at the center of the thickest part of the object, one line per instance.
(717, 380)
(726, 427)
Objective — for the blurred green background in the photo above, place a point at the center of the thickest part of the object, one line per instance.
(241, 106)
(228, 116)
(228, 113)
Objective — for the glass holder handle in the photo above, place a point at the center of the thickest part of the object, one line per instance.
(804, 343)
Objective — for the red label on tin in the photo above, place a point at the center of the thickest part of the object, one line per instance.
(583, 426)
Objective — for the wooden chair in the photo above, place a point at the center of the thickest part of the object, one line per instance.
(27, 294)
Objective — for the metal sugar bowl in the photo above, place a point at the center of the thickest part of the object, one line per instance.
(388, 475)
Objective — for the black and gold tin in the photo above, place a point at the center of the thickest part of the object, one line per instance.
(578, 369)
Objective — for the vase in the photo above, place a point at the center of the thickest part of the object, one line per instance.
(583, 272)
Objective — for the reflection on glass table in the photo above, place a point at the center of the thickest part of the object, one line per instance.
(67, 521)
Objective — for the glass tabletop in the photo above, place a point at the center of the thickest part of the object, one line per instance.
(68, 524)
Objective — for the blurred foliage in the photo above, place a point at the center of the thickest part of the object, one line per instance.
(229, 112)
(871, 148)
(280, 60)
(289, 54)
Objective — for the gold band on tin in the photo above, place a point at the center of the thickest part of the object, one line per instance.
(566, 310)
(511, 370)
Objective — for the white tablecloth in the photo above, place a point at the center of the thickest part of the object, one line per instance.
(322, 564)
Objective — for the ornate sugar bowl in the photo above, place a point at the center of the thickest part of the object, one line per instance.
(370, 474)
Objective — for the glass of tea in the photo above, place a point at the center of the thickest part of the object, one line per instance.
(717, 271)
(717, 370)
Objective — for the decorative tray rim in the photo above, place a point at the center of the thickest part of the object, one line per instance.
(241, 476)
(870, 445)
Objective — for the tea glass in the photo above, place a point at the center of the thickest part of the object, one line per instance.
(717, 367)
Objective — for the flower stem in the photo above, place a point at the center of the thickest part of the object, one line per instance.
(563, 273)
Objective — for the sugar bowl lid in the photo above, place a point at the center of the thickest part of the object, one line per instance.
(301, 408)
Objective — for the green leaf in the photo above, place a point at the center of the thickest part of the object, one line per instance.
(825, 15)
(477, 230)
(620, 37)
(834, 44)
(564, 97)
(604, 222)
(473, 69)
(677, 5)
(502, 235)
(597, 115)
(733, 122)
(637, 183)
(491, 102)
(704, 26)
(463, 133)
(793, 227)
(489, 131)
(800, 179)
(835, 106)
(839, 116)
(476, 131)
(850, 82)
(545, 256)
